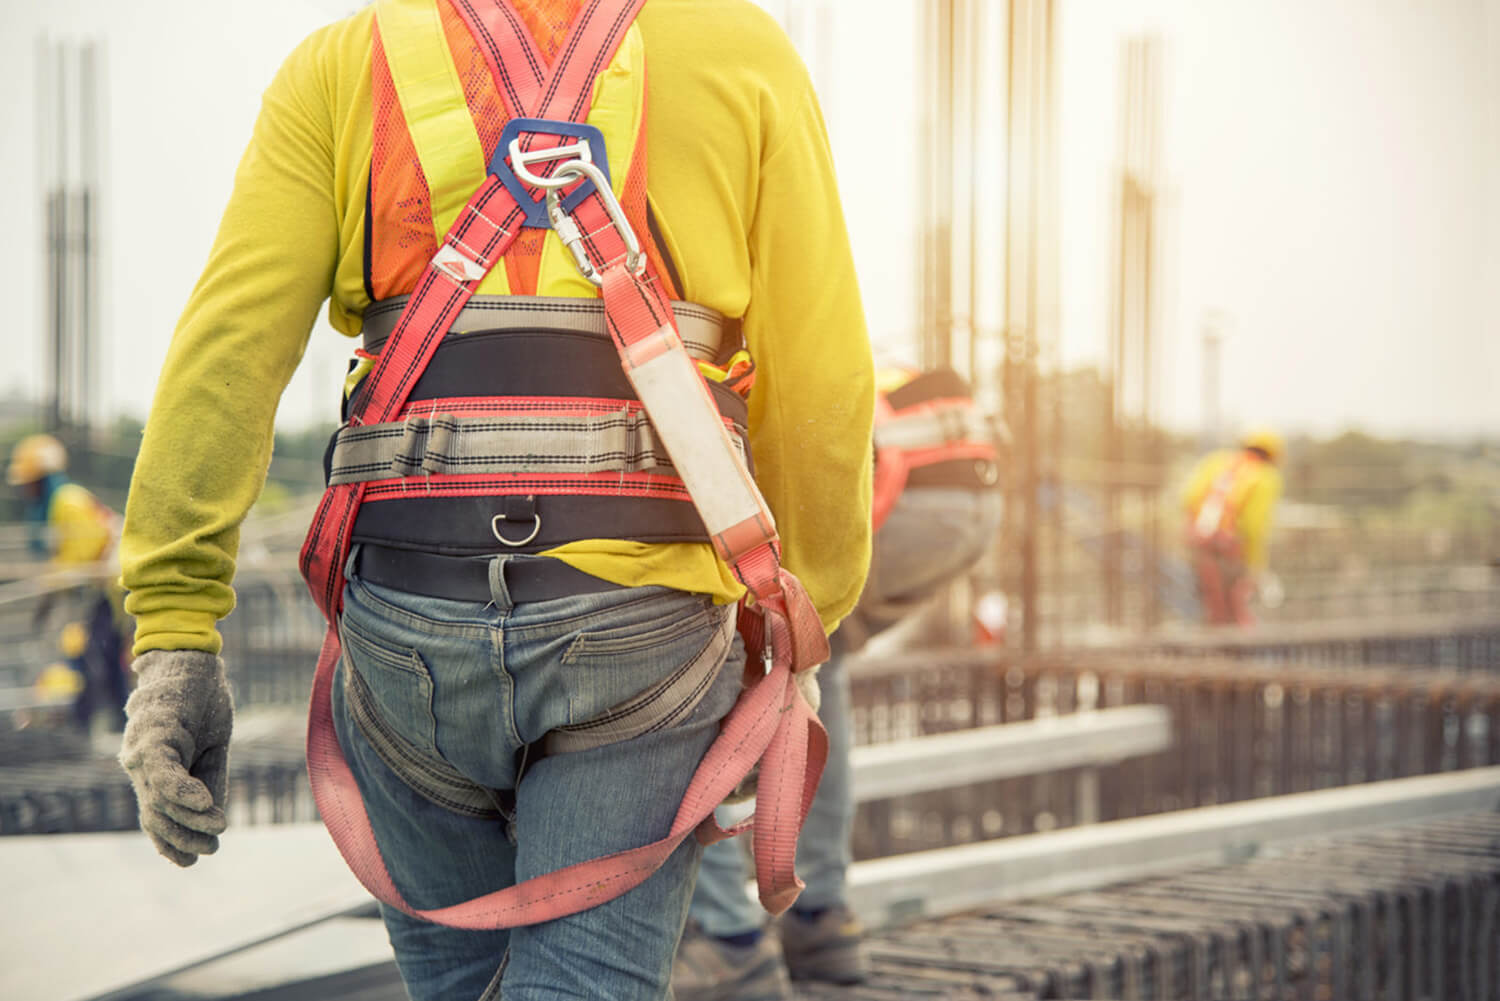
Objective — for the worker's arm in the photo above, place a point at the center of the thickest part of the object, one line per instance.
(812, 407)
(208, 440)
(1255, 517)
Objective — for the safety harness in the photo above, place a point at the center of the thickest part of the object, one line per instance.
(929, 432)
(1213, 525)
(435, 438)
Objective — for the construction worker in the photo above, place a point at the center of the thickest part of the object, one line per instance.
(535, 624)
(76, 531)
(1229, 500)
(939, 507)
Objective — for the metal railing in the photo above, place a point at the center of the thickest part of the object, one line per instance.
(1241, 730)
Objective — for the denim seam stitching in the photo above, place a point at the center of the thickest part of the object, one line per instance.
(637, 703)
(656, 636)
(496, 635)
(492, 989)
(555, 624)
(431, 782)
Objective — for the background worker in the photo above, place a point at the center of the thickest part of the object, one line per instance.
(76, 531)
(1229, 501)
(442, 704)
(939, 512)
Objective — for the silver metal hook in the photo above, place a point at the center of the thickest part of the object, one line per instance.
(567, 230)
(536, 526)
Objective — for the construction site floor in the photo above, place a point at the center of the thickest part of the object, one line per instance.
(1411, 911)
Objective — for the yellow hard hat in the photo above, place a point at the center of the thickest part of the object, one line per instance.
(35, 456)
(1267, 441)
(73, 640)
(59, 681)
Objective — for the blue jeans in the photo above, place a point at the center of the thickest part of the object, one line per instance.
(930, 536)
(461, 694)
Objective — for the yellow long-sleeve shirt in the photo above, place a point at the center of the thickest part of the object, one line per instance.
(742, 183)
(1252, 497)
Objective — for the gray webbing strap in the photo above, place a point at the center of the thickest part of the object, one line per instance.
(618, 441)
(705, 332)
(662, 705)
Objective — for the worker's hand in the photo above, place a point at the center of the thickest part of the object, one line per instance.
(176, 750)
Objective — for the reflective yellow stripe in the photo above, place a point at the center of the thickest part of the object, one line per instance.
(618, 104)
(437, 115)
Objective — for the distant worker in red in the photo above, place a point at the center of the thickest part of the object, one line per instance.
(1229, 501)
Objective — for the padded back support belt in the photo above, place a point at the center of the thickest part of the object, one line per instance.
(707, 335)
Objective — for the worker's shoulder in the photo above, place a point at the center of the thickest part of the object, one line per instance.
(70, 498)
(726, 37)
(349, 34)
(1269, 476)
(335, 48)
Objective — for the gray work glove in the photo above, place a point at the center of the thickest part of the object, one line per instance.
(176, 750)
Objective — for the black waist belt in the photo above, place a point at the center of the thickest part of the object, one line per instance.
(461, 578)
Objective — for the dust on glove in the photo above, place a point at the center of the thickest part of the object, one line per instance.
(176, 750)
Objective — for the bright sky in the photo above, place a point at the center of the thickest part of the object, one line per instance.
(1330, 187)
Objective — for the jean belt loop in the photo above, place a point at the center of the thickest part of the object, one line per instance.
(352, 562)
(499, 593)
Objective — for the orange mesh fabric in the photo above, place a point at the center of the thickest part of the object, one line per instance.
(402, 240)
(480, 91)
(548, 22)
(633, 201)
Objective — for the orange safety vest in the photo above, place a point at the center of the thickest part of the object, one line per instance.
(400, 236)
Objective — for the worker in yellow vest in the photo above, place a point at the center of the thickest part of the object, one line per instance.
(536, 628)
(76, 531)
(1229, 501)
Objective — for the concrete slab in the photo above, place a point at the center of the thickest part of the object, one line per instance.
(331, 947)
(89, 916)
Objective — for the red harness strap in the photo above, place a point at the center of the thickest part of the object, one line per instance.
(770, 723)
(780, 625)
(894, 462)
(890, 471)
